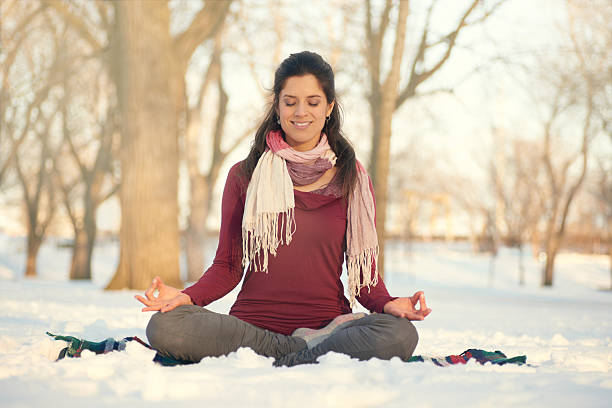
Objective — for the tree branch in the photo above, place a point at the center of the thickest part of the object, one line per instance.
(66, 189)
(76, 22)
(418, 78)
(204, 25)
(392, 80)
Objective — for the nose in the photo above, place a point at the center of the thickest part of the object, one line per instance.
(300, 109)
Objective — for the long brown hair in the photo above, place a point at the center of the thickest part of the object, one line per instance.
(301, 64)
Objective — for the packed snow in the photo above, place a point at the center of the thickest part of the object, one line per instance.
(565, 332)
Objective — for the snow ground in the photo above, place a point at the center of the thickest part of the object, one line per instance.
(566, 333)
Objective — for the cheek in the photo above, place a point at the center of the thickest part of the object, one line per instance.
(321, 113)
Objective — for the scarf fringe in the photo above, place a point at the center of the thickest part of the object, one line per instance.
(359, 269)
(265, 234)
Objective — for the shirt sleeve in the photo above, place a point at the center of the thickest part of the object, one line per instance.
(226, 270)
(374, 298)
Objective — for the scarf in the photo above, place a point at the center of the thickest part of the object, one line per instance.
(269, 211)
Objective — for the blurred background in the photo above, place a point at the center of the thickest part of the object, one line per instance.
(487, 123)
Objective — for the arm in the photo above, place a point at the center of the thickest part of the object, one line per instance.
(226, 270)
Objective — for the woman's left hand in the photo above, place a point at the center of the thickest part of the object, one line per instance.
(406, 307)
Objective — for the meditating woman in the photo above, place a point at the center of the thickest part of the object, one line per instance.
(292, 212)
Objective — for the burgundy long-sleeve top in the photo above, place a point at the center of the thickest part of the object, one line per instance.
(302, 287)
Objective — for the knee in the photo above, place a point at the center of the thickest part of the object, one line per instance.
(158, 330)
(405, 337)
(164, 329)
(409, 337)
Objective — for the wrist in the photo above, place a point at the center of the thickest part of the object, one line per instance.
(386, 306)
(185, 298)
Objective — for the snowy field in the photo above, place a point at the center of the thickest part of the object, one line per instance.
(566, 333)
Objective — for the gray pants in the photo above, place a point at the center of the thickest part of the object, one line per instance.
(190, 333)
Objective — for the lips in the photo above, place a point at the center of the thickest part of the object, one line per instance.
(300, 125)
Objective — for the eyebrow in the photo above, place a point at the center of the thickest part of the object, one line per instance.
(295, 97)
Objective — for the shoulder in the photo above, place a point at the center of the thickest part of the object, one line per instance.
(236, 178)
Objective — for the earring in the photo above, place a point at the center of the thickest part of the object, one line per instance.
(327, 119)
(278, 120)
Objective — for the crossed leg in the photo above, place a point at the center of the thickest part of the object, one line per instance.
(190, 333)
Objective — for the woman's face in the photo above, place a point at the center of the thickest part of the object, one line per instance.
(302, 109)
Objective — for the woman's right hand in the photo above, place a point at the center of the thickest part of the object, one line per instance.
(167, 297)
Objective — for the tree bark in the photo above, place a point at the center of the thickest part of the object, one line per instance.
(196, 232)
(149, 90)
(552, 247)
(78, 266)
(383, 101)
(32, 255)
(84, 241)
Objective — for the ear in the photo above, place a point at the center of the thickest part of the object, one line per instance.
(330, 107)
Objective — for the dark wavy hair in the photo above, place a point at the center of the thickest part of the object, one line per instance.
(301, 64)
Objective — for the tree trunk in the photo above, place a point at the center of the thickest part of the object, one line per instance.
(78, 266)
(84, 241)
(149, 90)
(551, 253)
(375, 157)
(32, 254)
(196, 232)
(383, 103)
(380, 170)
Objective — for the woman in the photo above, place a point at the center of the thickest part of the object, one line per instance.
(292, 212)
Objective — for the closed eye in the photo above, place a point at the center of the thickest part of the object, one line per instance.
(313, 104)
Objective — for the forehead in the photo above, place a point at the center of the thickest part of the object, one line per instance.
(302, 86)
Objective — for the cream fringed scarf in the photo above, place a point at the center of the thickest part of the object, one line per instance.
(269, 210)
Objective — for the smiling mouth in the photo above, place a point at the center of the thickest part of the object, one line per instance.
(300, 125)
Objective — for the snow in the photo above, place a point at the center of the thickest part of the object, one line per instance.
(565, 331)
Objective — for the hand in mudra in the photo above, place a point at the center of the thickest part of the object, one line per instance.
(407, 307)
(167, 297)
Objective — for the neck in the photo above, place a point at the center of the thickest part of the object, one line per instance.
(304, 147)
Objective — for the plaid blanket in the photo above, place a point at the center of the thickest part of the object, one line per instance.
(481, 356)
(75, 347)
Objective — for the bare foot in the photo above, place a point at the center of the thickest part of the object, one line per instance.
(312, 337)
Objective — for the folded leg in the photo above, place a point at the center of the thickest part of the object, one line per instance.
(190, 333)
(376, 335)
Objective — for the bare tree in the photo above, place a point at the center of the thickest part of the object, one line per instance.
(577, 84)
(29, 95)
(13, 42)
(202, 183)
(83, 194)
(385, 93)
(518, 190)
(238, 40)
(38, 194)
(148, 65)
(603, 194)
